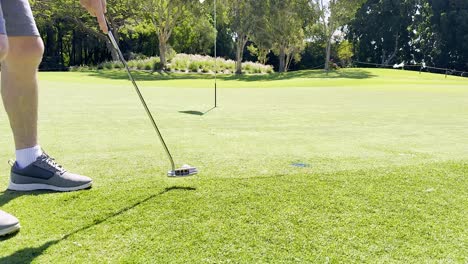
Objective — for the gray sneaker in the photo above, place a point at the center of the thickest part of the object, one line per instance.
(46, 174)
(8, 224)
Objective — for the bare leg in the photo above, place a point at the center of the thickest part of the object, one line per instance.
(19, 88)
(19, 93)
(3, 47)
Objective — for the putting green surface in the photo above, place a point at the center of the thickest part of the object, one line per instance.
(382, 175)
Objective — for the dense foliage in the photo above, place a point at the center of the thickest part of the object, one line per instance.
(292, 34)
(412, 31)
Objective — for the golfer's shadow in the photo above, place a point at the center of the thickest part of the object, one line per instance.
(27, 255)
(198, 113)
(7, 196)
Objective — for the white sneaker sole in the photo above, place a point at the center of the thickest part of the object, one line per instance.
(9, 230)
(38, 186)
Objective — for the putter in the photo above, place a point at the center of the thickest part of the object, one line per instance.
(185, 170)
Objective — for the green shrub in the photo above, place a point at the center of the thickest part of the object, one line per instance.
(205, 69)
(194, 66)
(155, 63)
(170, 54)
(136, 56)
(181, 65)
(132, 63)
(186, 63)
(157, 66)
(107, 65)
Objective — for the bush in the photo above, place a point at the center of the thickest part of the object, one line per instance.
(83, 68)
(181, 64)
(247, 67)
(184, 63)
(170, 53)
(157, 66)
(132, 64)
(108, 65)
(206, 64)
(194, 66)
(135, 56)
(205, 69)
(140, 65)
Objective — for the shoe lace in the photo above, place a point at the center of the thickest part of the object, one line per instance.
(50, 162)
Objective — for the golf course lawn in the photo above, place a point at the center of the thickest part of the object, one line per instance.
(382, 175)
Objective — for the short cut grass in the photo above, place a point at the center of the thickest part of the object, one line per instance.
(385, 157)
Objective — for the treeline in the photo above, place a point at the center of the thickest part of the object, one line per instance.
(288, 34)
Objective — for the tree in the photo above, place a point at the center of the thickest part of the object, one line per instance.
(383, 31)
(165, 15)
(194, 35)
(345, 52)
(119, 13)
(443, 33)
(66, 41)
(287, 20)
(262, 37)
(243, 22)
(260, 51)
(333, 16)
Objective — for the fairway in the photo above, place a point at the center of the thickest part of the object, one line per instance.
(382, 175)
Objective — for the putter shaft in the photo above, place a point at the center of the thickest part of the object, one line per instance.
(122, 59)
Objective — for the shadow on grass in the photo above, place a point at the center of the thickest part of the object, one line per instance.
(198, 113)
(177, 188)
(7, 196)
(311, 74)
(27, 255)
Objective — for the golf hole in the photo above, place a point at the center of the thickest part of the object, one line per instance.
(301, 165)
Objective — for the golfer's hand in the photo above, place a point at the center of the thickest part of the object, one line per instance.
(97, 8)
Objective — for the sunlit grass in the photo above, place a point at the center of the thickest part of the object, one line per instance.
(384, 155)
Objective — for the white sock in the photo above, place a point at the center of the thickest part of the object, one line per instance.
(24, 157)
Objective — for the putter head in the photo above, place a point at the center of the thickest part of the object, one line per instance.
(184, 171)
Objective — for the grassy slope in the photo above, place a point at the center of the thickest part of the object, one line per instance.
(387, 181)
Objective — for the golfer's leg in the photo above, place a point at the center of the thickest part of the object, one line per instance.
(3, 46)
(19, 88)
(33, 169)
(19, 93)
(8, 223)
(3, 37)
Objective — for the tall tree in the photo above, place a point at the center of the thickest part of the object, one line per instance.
(243, 22)
(165, 15)
(444, 33)
(287, 21)
(383, 30)
(195, 33)
(262, 37)
(119, 12)
(334, 15)
(63, 37)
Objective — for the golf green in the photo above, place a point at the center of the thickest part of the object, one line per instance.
(360, 165)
